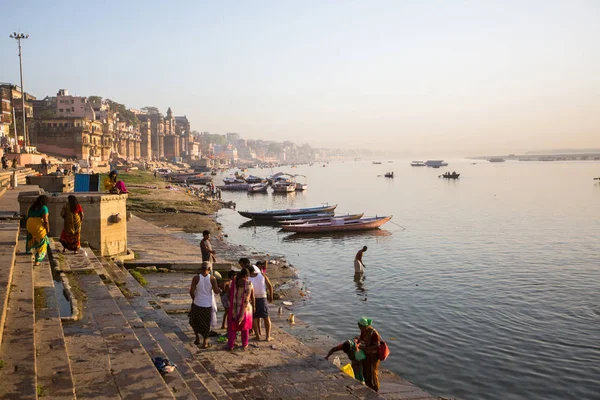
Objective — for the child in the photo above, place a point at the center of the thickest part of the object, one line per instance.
(225, 295)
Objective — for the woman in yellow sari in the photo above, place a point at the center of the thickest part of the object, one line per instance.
(72, 213)
(38, 227)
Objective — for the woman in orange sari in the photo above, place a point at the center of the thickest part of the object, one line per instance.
(38, 226)
(72, 213)
(370, 340)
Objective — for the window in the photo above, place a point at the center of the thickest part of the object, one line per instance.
(72, 108)
(72, 101)
(60, 110)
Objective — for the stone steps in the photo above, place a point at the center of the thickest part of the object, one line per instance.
(18, 373)
(54, 376)
(164, 331)
(9, 233)
(108, 359)
(176, 380)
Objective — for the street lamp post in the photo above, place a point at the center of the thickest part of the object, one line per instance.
(18, 37)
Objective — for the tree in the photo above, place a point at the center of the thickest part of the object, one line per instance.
(123, 113)
(151, 110)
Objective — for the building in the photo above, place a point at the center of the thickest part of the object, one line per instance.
(73, 106)
(81, 138)
(12, 107)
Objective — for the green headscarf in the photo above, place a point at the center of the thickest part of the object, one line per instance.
(364, 321)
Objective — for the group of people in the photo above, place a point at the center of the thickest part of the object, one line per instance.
(245, 297)
(38, 226)
(5, 162)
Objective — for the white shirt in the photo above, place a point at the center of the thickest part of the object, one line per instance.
(203, 296)
(260, 287)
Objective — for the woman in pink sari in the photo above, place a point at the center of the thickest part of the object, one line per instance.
(241, 304)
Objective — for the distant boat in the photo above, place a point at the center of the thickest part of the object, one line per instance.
(361, 224)
(389, 175)
(269, 214)
(417, 164)
(284, 187)
(258, 188)
(496, 159)
(230, 181)
(377, 162)
(449, 175)
(254, 179)
(436, 163)
(234, 186)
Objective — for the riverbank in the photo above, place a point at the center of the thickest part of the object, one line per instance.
(179, 243)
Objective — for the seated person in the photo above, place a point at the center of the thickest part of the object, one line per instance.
(112, 185)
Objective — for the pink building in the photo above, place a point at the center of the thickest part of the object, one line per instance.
(73, 106)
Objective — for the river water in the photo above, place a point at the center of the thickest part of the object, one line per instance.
(487, 287)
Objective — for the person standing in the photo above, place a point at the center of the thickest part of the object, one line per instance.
(241, 304)
(202, 290)
(4, 162)
(38, 227)
(72, 213)
(359, 266)
(262, 287)
(208, 254)
(225, 295)
(369, 342)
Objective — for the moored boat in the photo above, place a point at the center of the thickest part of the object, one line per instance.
(289, 217)
(234, 186)
(231, 181)
(496, 159)
(257, 188)
(417, 164)
(269, 214)
(284, 187)
(306, 219)
(361, 224)
(254, 179)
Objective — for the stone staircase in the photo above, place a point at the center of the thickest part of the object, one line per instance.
(6, 176)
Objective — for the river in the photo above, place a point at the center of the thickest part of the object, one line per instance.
(486, 287)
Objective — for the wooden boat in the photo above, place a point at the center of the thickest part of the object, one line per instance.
(449, 175)
(284, 187)
(289, 217)
(254, 179)
(258, 188)
(389, 175)
(200, 180)
(231, 181)
(361, 224)
(417, 164)
(304, 219)
(269, 214)
(234, 186)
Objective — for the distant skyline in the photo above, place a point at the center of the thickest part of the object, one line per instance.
(421, 77)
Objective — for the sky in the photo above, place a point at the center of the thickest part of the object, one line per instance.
(428, 77)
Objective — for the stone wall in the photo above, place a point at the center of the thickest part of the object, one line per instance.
(104, 224)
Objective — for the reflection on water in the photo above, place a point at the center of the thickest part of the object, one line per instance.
(308, 237)
(492, 289)
(361, 289)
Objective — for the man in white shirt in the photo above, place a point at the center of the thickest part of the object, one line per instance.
(262, 287)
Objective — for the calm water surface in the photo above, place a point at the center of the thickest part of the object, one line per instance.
(490, 292)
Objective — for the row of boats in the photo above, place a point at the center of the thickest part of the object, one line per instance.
(280, 182)
(316, 220)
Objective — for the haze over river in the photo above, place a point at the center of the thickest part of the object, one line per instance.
(492, 291)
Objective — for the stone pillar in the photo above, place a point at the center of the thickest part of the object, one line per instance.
(105, 222)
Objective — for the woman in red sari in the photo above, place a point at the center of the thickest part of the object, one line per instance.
(72, 213)
(241, 304)
(370, 344)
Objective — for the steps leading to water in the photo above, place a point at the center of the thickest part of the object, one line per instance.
(17, 352)
(54, 378)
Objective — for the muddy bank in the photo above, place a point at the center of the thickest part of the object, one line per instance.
(175, 208)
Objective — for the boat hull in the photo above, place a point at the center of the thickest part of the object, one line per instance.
(304, 220)
(269, 215)
(347, 226)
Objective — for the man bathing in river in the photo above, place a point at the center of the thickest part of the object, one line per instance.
(359, 267)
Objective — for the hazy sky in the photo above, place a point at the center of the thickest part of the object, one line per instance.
(424, 77)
